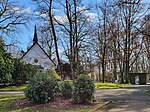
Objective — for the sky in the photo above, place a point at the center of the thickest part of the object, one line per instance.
(25, 35)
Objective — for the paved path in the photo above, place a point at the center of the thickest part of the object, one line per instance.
(11, 93)
(133, 99)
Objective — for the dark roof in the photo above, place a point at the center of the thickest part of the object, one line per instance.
(42, 50)
(35, 39)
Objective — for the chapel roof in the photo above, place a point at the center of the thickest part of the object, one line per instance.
(35, 42)
(35, 39)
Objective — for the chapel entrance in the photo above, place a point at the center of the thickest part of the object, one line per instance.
(137, 78)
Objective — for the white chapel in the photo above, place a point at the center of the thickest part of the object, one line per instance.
(36, 55)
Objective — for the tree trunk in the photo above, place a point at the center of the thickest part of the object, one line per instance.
(54, 36)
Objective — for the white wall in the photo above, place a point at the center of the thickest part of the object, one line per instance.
(37, 53)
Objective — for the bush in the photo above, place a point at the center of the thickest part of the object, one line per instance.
(67, 88)
(19, 74)
(42, 88)
(53, 74)
(22, 72)
(6, 65)
(31, 71)
(83, 89)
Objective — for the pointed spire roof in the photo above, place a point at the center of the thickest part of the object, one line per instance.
(35, 39)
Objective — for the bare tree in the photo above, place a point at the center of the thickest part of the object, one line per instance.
(101, 42)
(46, 39)
(118, 32)
(74, 31)
(114, 42)
(46, 7)
(130, 12)
(11, 16)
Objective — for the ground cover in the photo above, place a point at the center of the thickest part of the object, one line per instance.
(99, 85)
(18, 103)
(14, 88)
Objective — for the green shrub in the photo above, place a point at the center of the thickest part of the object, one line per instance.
(42, 88)
(22, 72)
(66, 89)
(31, 71)
(53, 74)
(6, 65)
(83, 89)
(19, 74)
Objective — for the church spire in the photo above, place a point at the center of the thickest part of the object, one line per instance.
(35, 39)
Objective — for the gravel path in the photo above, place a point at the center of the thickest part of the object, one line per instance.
(133, 99)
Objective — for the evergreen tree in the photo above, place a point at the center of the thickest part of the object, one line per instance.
(6, 64)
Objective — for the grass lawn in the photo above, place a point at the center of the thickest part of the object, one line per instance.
(6, 101)
(14, 88)
(99, 85)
